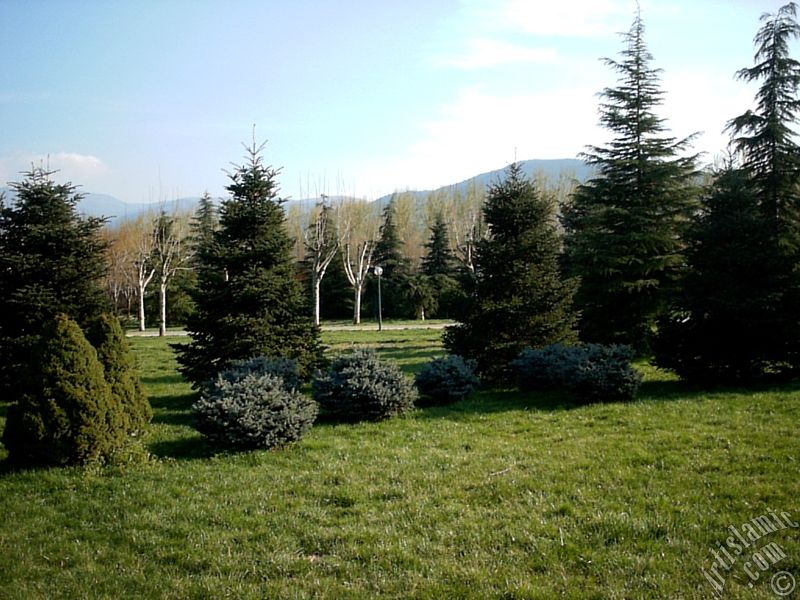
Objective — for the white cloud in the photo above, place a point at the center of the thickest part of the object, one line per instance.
(484, 53)
(82, 169)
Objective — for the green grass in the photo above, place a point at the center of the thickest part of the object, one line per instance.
(504, 495)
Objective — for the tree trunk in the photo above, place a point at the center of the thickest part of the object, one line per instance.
(316, 282)
(141, 308)
(162, 308)
(357, 306)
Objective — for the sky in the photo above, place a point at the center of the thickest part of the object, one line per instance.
(151, 100)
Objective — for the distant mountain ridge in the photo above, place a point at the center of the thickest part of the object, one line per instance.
(114, 209)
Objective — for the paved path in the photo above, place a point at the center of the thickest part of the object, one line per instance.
(370, 327)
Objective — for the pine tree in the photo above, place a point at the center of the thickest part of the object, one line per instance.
(396, 269)
(248, 299)
(52, 261)
(624, 227)
(68, 414)
(725, 326)
(521, 299)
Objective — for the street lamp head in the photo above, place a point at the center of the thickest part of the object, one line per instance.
(378, 270)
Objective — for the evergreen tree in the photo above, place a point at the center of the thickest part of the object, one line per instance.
(396, 270)
(624, 227)
(520, 299)
(725, 326)
(108, 339)
(439, 258)
(248, 300)
(765, 137)
(68, 414)
(439, 268)
(738, 318)
(204, 223)
(52, 261)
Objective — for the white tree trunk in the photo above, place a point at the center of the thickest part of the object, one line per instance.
(357, 304)
(141, 307)
(162, 307)
(317, 281)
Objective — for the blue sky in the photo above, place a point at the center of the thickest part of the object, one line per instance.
(150, 100)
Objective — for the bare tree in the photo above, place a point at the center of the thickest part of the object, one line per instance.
(170, 254)
(358, 232)
(142, 259)
(321, 243)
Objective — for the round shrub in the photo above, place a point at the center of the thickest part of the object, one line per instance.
(546, 368)
(105, 334)
(361, 387)
(253, 411)
(448, 379)
(605, 373)
(68, 414)
(592, 372)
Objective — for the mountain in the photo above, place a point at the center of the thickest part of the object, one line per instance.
(114, 209)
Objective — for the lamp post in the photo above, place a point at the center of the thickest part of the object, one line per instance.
(378, 270)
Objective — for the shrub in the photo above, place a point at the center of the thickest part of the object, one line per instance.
(283, 368)
(447, 379)
(105, 334)
(68, 414)
(545, 368)
(593, 372)
(360, 386)
(605, 373)
(253, 411)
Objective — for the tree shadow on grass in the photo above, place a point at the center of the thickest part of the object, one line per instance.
(174, 409)
(185, 448)
(163, 379)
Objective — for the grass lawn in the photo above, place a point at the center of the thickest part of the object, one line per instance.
(504, 495)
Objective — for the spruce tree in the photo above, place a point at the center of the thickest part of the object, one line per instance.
(68, 414)
(52, 261)
(396, 270)
(439, 258)
(439, 268)
(520, 298)
(205, 222)
(624, 227)
(248, 300)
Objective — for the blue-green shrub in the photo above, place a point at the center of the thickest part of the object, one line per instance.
(447, 379)
(253, 411)
(605, 373)
(284, 368)
(361, 387)
(546, 368)
(592, 372)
